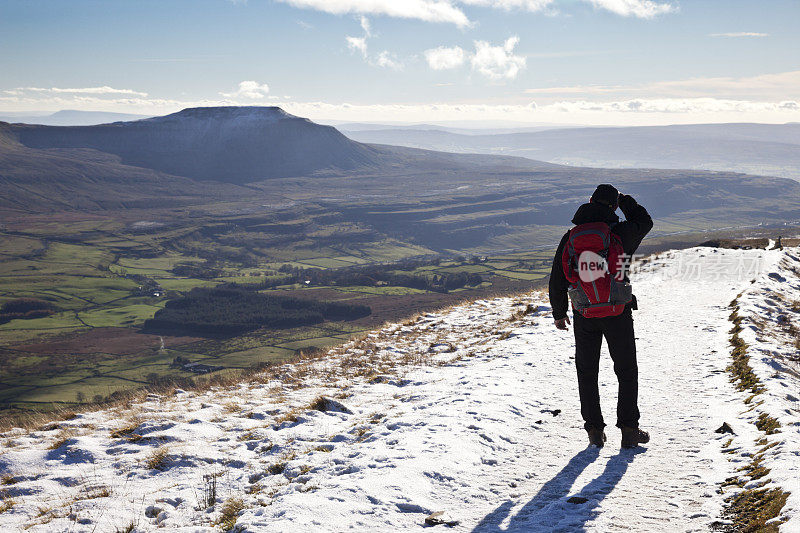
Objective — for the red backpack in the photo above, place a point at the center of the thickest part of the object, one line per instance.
(593, 264)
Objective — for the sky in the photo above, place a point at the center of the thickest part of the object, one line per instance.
(609, 62)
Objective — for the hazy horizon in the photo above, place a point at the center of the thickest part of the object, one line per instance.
(587, 62)
(466, 124)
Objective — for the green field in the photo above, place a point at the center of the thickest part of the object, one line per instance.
(106, 280)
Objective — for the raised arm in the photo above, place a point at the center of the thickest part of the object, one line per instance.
(637, 223)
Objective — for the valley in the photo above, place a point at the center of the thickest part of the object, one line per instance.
(105, 239)
(106, 278)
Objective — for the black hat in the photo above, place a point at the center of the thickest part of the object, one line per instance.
(607, 195)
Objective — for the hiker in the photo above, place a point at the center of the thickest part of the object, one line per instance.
(589, 265)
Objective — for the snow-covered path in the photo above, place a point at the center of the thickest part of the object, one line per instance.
(480, 435)
(488, 430)
(685, 394)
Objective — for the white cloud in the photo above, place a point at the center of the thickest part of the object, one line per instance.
(639, 111)
(739, 34)
(530, 5)
(444, 58)
(676, 105)
(645, 9)
(425, 10)
(249, 89)
(494, 62)
(782, 85)
(450, 11)
(105, 89)
(358, 44)
(497, 62)
(386, 60)
(364, 21)
(620, 112)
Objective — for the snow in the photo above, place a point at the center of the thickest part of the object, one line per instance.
(239, 113)
(472, 411)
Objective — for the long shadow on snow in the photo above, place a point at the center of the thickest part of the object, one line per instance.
(552, 497)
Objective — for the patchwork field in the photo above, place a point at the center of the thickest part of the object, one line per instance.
(105, 279)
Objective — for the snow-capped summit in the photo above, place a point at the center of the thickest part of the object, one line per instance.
(231, 144)
(264, 113)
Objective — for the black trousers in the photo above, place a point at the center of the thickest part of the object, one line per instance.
(618, 331)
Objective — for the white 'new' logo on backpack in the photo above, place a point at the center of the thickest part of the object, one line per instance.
(591, 266)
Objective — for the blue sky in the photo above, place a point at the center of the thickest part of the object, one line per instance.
(572, 61)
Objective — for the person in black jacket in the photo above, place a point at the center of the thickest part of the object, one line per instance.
(617, 330)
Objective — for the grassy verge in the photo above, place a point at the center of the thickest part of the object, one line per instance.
(751, 509)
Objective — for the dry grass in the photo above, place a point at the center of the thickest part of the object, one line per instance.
(248, 435)
(520, 314)
(230, 512)
(90, 493)
(127, 430)
(127, 529)
(209, 497)
(767, 424)
(231, 407)
(751, 509)
(8, 479)
(277, 468)
(255, 488)
(63, 436)
(291, 416)
(157, 459)
(324, 404)
(6, 505)
(320, 403)
(411, 321)
(742, 373)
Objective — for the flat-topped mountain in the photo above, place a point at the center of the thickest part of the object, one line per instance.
(233, 144)
(200, 152)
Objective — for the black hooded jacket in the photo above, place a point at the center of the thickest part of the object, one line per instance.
(631, 232)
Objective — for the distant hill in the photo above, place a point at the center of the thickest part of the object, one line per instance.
(197, 153)
(239, 145)
(469, 129)
(252, 159)
(46, 180)
(69, 117)
(771, 149)
(231, 144)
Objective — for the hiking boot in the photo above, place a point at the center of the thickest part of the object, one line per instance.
(596, 437)
(632, 437)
